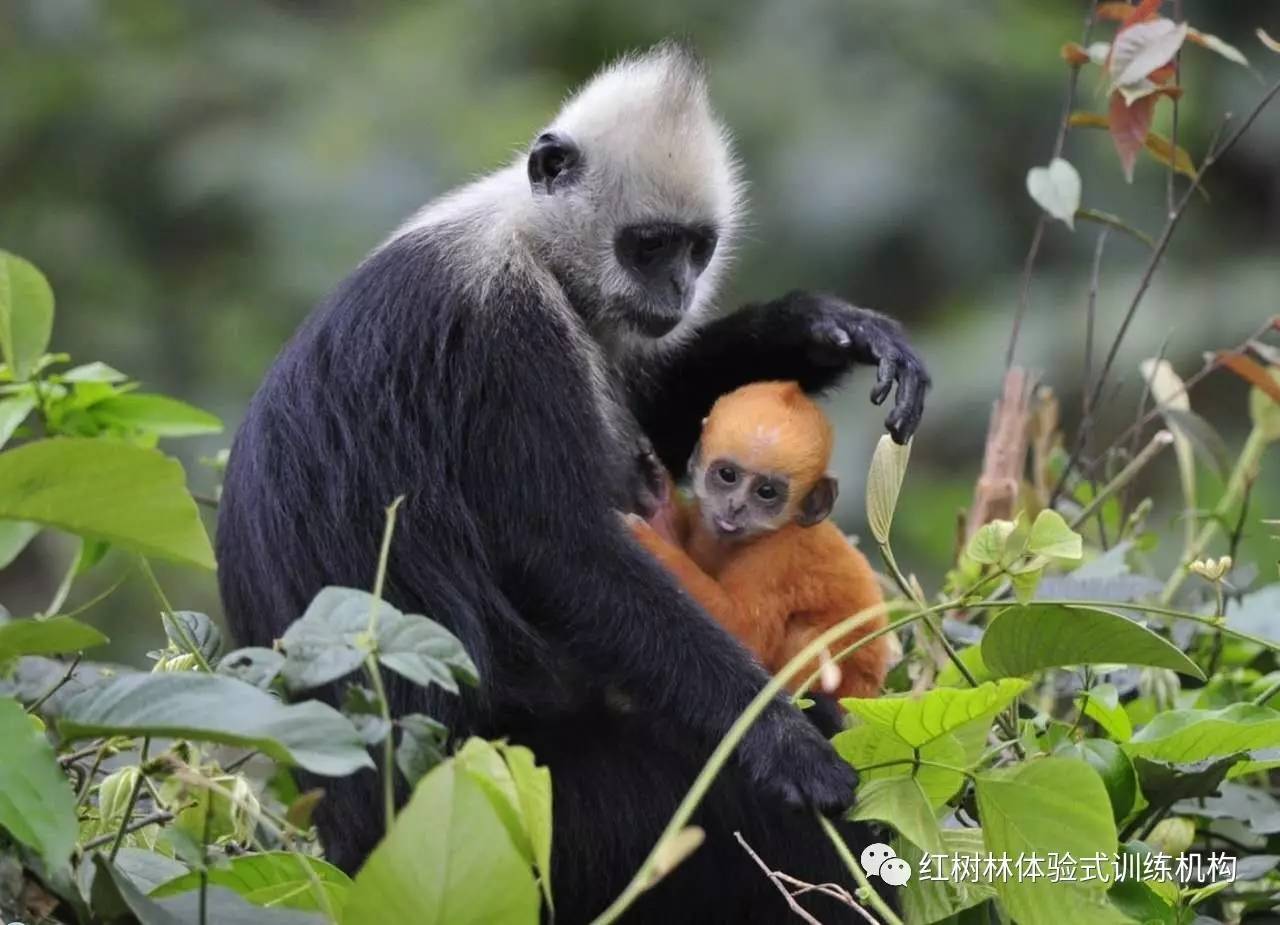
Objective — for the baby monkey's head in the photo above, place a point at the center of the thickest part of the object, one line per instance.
(762, 462)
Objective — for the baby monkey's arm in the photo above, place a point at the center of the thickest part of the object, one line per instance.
(759, 632)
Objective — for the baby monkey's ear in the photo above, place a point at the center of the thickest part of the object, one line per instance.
(693, 457)
(817, 504)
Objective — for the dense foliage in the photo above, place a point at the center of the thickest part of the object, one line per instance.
(1060, 697)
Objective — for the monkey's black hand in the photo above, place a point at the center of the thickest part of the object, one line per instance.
(785, 755)
(840, 333)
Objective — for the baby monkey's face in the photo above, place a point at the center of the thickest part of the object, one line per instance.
(738, 503)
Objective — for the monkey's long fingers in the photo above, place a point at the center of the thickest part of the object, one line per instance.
(884, 380)
(908, 408)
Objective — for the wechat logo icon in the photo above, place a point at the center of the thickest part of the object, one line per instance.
(879, 860)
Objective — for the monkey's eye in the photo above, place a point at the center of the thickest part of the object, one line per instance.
(727, 475)
(704, 245)
(766, 492)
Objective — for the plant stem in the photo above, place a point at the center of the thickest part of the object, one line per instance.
(1261, 699)
(1126, 475)
(873, 898)
(388, 746)
(166, 608)
(1244, 472)
(157, 818)
(64, 586)
(133, 801)
(57, 685)
(643, 877)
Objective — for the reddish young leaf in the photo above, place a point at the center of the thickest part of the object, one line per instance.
(1250, 371)
(1158, 146)
(1127, 13)
(1162, 74)
(1129, 126)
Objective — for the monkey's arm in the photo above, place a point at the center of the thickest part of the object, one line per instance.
(758, 629)
(815, 340)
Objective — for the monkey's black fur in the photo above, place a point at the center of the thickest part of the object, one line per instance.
(481, 416)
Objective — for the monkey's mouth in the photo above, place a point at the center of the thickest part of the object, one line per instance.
(653, 325)
(726, 527)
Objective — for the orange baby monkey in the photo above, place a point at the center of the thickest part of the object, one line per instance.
(757, 551)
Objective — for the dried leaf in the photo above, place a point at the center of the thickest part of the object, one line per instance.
(1142, 48)
(1250, 371)
(1129, 125)
(1145, 88)
(1215, 44)
(1056, 189)
(1159, 147)
(1125, 13)
(1267, 40)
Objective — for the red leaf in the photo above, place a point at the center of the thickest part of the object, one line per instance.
(1250, 371)
(1162, 74)
(1129, 126)
(1145, 10)
(1074, 54)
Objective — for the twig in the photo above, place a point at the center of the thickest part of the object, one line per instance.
(1173, 130)
(791, 900)
(57, 685)
(188, 642)
(158, 817)
(874, 898)
(133, 801)
(375, 674)
(1064, 125)
(1126, 475)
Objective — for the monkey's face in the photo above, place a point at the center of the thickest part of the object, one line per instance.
(737, 503)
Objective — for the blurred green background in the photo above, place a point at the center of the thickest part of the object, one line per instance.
(192, 175)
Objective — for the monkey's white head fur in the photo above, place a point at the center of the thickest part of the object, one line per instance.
(652, 151)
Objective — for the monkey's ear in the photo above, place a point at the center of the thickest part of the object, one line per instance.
(817, 504)
(552, 157)
(693, 457)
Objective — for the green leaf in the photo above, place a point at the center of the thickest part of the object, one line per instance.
(1050, 536)
(1181, 736)
(54, 636)
(1264, 411)
(902, 803)
(328, 641)
(422, 744)
(156, 414)
(37, 805)
(424, 652)
(1030, 637)
(918, 720)
(92, 372)
(115, 896)
(186, 628)
(14, 537)
(13, 411)
(987, 547)
(1026, 579)
(533, 793)
(867, 745)
(273, 878)
(1103, 707)
(253, 665)
(448, 858)
(215, 708)
(360, 706)
(949, 675)
(930, 900)
(26, 314)
(1049, 805)
(127, 495)
(1166, 782)
(884, 482)
(1113, 767)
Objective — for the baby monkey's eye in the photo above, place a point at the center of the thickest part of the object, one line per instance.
(766, 492)
(727, 474)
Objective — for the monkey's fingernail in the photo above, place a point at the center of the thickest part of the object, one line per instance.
(841, 338)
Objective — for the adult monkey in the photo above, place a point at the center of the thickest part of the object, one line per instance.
(504, 361)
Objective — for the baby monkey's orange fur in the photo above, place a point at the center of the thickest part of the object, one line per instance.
(781, 575)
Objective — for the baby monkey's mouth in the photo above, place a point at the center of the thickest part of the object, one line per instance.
(725, 526)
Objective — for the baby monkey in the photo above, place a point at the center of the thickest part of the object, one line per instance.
(756, 549)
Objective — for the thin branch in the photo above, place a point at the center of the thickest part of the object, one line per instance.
(1173, 131)
(1033, 251)
(159, 817)
(791, 900)
(57, 685)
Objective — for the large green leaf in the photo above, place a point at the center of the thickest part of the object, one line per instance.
(1029, 637)
(900, 802)
(127, 495)
(217, 708)
(448, 858)
(273, 878)
(26, 314)
(14, 537)
(1048, 806)
(1050, 536)
(53, 636)
(156, 414)
(866, 746)
(918, 720)
(116, 897)
(1182, 736)
(937, 896)
(37, 805)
